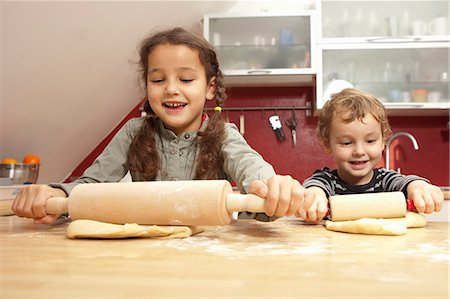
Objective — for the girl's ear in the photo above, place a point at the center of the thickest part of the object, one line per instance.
(211, 89)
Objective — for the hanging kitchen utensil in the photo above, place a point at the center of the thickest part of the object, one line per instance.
(292, 125)
(242, 123)
(277, 127)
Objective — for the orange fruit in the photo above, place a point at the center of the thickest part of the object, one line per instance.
(9, 161)
(31, 159)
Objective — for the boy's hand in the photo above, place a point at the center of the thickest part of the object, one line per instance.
(283, 194)
(315, 205)
(30, 202)
(426, 197)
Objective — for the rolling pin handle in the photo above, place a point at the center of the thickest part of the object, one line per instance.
(410, 205)
(245, 203)
(56, 205)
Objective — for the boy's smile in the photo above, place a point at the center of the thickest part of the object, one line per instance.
(358, 164)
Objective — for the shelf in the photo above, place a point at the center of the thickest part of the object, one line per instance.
(277, 47)
(263, 57)
(265, 80)
(385, 39)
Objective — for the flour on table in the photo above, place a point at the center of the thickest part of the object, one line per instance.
(103, 230)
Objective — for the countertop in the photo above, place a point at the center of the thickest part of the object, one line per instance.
(247, 259)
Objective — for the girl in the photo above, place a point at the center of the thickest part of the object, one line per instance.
(177, 140)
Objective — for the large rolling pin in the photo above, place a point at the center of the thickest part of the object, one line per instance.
(200, 202)
(369, 205)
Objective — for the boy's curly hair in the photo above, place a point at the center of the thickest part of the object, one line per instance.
(351, 104)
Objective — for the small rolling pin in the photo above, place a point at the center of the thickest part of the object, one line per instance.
(199, 202)
(369, 205)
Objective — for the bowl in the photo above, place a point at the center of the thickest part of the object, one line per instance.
(20, 173)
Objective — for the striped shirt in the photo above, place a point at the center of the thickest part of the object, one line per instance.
(382, 181)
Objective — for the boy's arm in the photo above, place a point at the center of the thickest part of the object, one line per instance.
(314, 206)
(426, 197)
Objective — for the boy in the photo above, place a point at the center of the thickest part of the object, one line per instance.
(353, 128)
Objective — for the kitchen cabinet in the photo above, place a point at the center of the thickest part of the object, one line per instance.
(264, 48)
(398, 51)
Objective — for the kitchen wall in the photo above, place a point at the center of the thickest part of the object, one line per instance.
(432, 134)
(69, 71)
(69, 77)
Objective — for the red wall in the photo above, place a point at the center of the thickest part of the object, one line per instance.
(432, 134)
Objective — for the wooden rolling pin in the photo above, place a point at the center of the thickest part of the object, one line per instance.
(200, 202)
(369, 205)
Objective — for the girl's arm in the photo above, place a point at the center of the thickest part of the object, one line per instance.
(253, 174)
(242, 163)
(112, 164)
(284, 195)
(30, 203)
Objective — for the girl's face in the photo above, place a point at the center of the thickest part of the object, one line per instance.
(356, 147)
(177, 88)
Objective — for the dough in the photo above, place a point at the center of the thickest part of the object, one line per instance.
(371, 226)
(103, 230)
(415, 220)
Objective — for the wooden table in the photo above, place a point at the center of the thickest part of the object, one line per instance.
(247, 259)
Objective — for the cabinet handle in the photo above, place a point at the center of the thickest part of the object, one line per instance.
(404, 105)
(263, 72)
(391, 39)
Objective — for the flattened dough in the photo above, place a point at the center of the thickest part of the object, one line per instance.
(371, 226)
(415, 220)
(103, 230)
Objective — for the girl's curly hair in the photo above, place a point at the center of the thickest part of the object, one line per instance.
(143, 156)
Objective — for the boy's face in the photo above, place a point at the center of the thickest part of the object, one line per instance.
(176, 87)
(356, 147)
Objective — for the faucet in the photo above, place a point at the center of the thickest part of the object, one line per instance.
(388, 144)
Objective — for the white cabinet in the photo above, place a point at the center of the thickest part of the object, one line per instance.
(264, 49)
(399, 51)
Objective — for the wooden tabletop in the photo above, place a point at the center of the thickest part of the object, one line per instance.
(247, 259)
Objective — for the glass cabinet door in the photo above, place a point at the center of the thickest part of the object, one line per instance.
(262, 44)
(400, 75)
(398, 50)
(413, 19)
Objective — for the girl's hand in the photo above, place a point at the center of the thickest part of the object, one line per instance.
(426, 197)
(30, 202)
(315, 205)
(283, 194)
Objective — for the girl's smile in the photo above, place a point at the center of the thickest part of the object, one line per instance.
(174, 105)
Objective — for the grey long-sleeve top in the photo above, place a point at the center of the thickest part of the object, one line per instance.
(178, 160)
